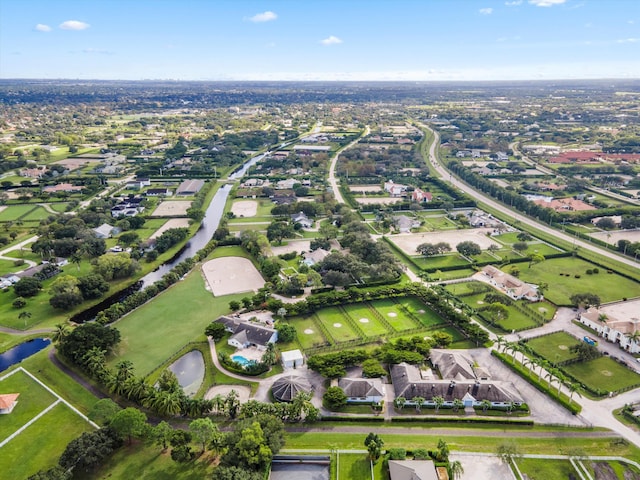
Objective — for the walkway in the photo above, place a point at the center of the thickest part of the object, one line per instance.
(18, 246)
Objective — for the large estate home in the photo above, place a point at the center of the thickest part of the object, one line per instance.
(248, 334)
(510, 285)
(459, 380)
(624, 331)
(362, 390)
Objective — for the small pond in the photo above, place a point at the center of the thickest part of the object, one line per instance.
(189, 369)
(22, 351)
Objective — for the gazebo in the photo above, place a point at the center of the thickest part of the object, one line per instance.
(286, 388)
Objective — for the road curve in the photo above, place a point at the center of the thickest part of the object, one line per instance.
(447, 176)
(333, 181)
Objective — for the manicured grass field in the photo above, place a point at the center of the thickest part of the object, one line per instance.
(313, 336)
(33, 400)
(554, 347)
(603, 373)
(545, 469)
(38, 213)
(608, 286)
(59, 206)
(394, 315)
(14, 212)
(156, 330)
(360, 312)
(40, 445)
(337, 324)
(356, 466)
(422, 312)
(440, 261)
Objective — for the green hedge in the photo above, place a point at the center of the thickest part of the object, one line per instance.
(517, 367)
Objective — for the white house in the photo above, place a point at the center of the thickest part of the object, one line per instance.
(420, 196)
(302, 219)
(362, 390)
(618, 330)
(106, 231)
(7, 402)
(248, 334)
(394, 189)
(510, 285)
(292, 359)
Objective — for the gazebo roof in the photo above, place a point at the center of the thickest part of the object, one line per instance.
(286, 388)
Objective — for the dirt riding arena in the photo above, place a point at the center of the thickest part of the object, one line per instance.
(172, 209)
(613, 236)
(227, 275)
(245, 208)
(75, 163)
(378, 200)
(365, 188)
(292, 246)
(409, 242)
(243, 392)
(173, 223)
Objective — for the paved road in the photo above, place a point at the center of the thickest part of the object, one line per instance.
(18, 246)
(446, 175)
(333, 181)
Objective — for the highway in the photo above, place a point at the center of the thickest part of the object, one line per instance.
(447, 176)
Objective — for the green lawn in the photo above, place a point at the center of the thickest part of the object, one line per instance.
(40, 445)
(422, 312)
(37, 214)
(14, 212)
(356, 466)
(308, 333)
(337, 324)
(554, 347)
(604, 374)
(360, 312)
(392, 313)
(440, 261)
(59, 206)
(545, 469)
(33, 400)
(608, 286)
(159, 328)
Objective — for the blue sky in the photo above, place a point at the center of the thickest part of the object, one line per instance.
(320, 39)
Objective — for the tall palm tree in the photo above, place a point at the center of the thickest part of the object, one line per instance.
(550, 377)
(573, 388)
(501, 341)
(439, 401)
(457, 404)
(486, 404)
(456, 469)
(60, 333)
(24, 316)
(419, 401)
(95, 361)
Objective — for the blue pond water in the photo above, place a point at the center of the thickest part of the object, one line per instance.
(189, 369)
(22, 351)
(241, 360)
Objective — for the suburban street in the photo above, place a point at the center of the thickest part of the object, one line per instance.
(333, 181)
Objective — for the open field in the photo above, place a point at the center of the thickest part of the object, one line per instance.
(546, 469)
(153, 332)
(427, 317)
(172, 223)
(308, 332)
(366, 319)
(356, 466)
(336, 324)
(393, 314)
(554, 347)
(292, 246)
(14, 212)
(604, 374)
(410, 241)
(245, 208)
(227, 275)
(76, 162)
(365, 188)
(377, 200)
(515, 321)
(172, 208)
(608, 286)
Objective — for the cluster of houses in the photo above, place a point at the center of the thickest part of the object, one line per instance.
(397, 190)
(129, 207)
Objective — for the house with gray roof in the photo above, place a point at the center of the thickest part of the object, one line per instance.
(412, 470)
(248, 334)
(362, 390)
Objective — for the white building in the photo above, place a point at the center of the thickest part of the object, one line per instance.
(292, 359)
(623, 331)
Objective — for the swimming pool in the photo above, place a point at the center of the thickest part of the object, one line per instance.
(242, 360)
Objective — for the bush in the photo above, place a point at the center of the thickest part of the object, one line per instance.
(397, 454)
(421, 454)
(19, 302)
(577, 276)
(589, 271)
(596, 271)
(18, 262)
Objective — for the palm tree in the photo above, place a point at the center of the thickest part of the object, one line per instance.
(573, 388)
(456, 469)
(218, 404)
(419, 401)
(501, 341)
(60, 333)
(457, 404)
(634, 337)
(560, 378)
(137, 388)
(76, 259)
(486, 404)
(400, 402)
(95, 362)
(439, 401)
(24, 316)
(543, 366)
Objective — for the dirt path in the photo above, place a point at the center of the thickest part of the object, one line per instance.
(76, 377)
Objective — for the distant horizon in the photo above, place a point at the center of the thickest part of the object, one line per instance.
(320, 40)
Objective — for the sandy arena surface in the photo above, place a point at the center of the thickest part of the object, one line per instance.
(365, 188)
(172, 209)
(623, 310)
(245, 208)
(75, 163)
(228, 275)
(613, 236)
(409, 242)
(378, 200)
(2, 207)
(478, 467)
(292, 246)
(173, 223)
(243, 392)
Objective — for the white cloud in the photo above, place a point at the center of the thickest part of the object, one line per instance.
(546, 3)
(486, 11)
(629, 40)
(514, 3)
(74, 25)
(41, 27)
(267, 16)
(331, 40)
